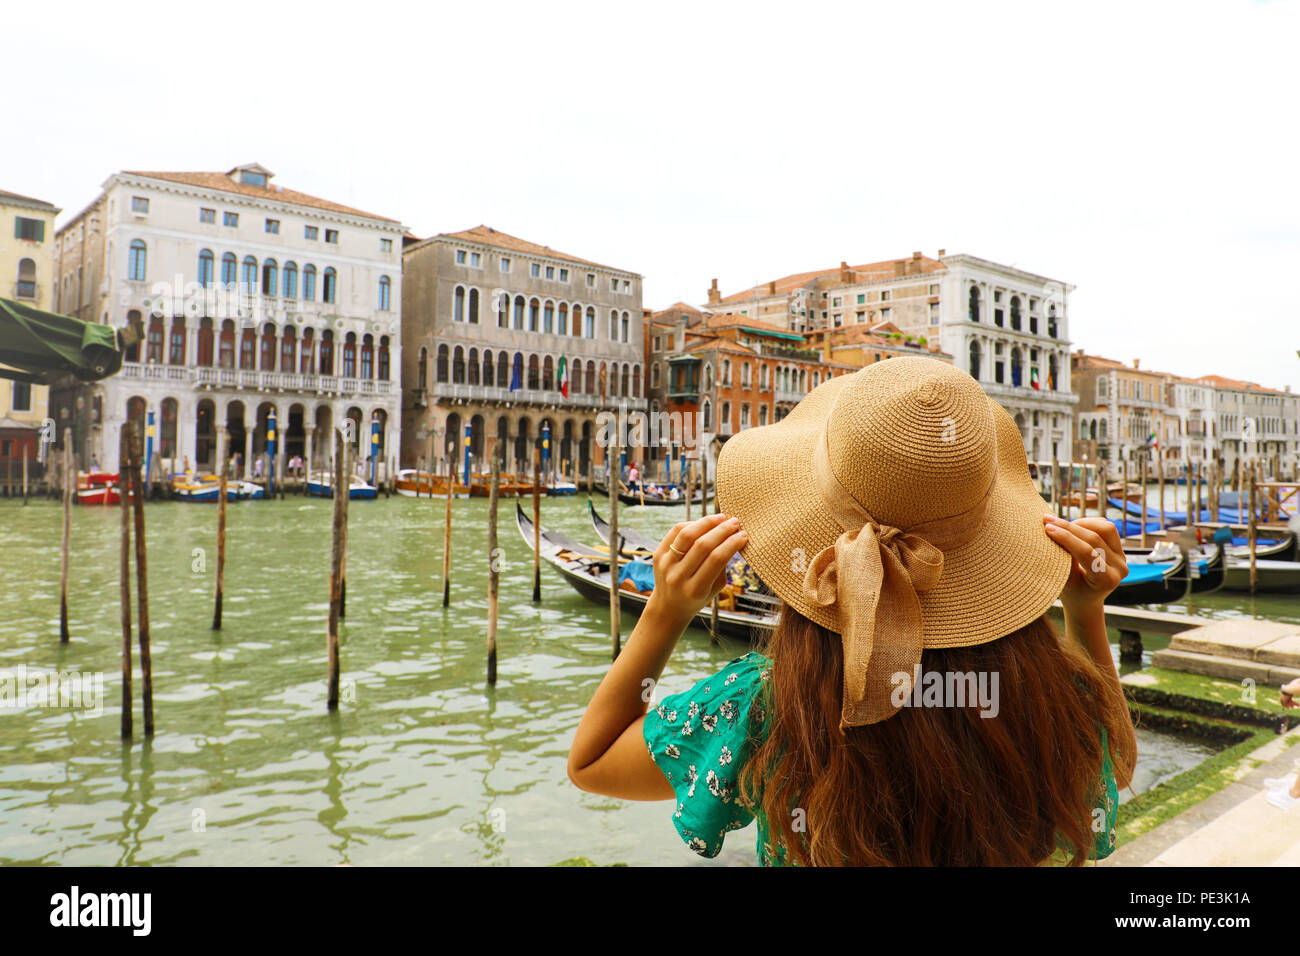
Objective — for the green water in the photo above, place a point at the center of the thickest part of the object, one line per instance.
(424, 764)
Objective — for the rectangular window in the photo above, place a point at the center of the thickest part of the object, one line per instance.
(884, 315)
(505, 264)
(591, 280)
(613, 285)
(332, 236)
(310, 232)
(535, 270)
(22, 396)
(627, 287)
(207, 215)
(30, 229)
(230, 219)
(273, 226)
(476, 260)
(385, 245)
(861, 298)
(884, 295)
(461, 257)
(934, 288)
(836, 302)
(861, 315)
(564, 275)
(139, 204)
(550, 272)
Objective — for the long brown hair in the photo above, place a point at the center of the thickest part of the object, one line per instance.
(937, 785)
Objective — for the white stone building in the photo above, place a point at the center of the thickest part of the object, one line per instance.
(256, 298)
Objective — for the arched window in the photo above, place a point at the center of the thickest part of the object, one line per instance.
(458, 304)
(488, 368)
(473, 307)
(503, 311)
(973, 306)
(548, 374)
(136, 260)
(350, 355)
(329, 285)
(167, 428)
(309, 282)
(744, 376)
(368, 356)
(229, 270)
(440, 371)
(288, 350)
(207, 268)
(707, 410)
(226, 347)
(708, 377)
(613, 325)
(154, 341)
(472, 367)
(268, 348)
(548, 317)
(762, 415)
(26, 278)
(591, 378)
(726, 373)
(589, 327)
(422, 371)
(1016, 366)
(519, 312)
(562, 328)
(270, 277)
(534, 313)
(1052, 369)
(290, 281)
(306, 351)
(176, 342)
(517, 373)
(385, 293)
(974, 359)
(626, 326)
(326, 351)
(248, 274)
(575, 377)
(1051, 319)
(205, 342)
(503, 370)
(458, 366)
(1015, 312)
(384, 361)
(624, 380)
(636, 381)
(654, 375)
(248, 350)
(533, 382)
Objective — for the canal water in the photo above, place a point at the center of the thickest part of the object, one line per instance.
(424, 764)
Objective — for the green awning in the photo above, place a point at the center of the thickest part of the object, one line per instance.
(37, 346)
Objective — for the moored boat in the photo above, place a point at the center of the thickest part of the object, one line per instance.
(320, 484)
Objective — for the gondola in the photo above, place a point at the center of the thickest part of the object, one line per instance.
(587, 571)
(1271, 577)
(1151, 582)
(1208, 567)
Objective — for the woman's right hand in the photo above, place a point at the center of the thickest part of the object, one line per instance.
(688, 577)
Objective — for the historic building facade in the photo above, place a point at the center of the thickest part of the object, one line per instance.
(1006, 326)
(26, 276)
(496, 330)
(256, 299)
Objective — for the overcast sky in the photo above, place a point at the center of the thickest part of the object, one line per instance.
(1144, 152)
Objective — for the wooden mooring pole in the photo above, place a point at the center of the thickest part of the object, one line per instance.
(137, 491)
(446, 531)
(494, 574)
(336, 574)
(223, 441)
(1250, 525)
(24, 475)
(615, 609)
(124, 586)
(69, 485)
(537, 525)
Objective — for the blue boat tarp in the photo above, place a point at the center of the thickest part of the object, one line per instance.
(1142, 573)
(1129, 529)
(640, 573)
(1173, 517)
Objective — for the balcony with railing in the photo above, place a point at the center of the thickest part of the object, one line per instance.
(460, 393)
(209, 377)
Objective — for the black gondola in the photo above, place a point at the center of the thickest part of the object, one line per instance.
(587, 571)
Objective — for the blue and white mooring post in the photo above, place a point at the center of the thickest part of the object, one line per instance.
(148, 449)
(374, 449)
(270, 451)
(546, 447)
(468, 436)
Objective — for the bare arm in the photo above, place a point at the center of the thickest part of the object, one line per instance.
(608, 754)
(1099, 567)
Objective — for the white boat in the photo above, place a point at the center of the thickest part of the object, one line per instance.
(320, 484)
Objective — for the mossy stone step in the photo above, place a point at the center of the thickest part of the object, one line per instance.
(1263, 672)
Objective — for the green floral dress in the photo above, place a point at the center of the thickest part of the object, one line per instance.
(702, 738)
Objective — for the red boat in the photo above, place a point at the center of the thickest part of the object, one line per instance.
(97, 488)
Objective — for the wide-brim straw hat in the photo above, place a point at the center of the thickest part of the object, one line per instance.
(893, 506)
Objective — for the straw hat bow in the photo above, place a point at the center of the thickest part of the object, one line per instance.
(911, 490)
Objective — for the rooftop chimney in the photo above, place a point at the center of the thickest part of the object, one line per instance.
(845, 275)
(916, 255)
(771, 287)
(714, 295)
(1135, 362)
(941, 252)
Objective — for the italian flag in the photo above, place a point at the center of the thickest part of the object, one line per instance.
(564, 376)
(1033, 377)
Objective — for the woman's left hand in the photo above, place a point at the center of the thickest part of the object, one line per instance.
(690, 565)
(1099, 564)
